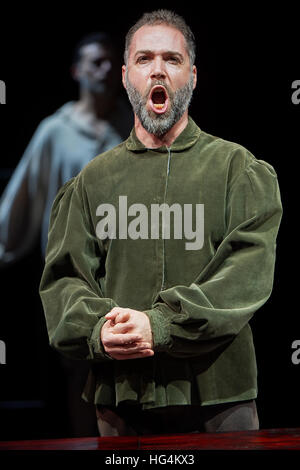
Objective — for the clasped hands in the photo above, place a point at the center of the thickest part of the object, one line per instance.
(127, 334)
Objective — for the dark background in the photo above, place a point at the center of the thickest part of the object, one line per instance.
(246, 63)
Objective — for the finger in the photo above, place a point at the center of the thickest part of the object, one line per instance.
(121, 327)
(126, 352)
(121, 339)
(113, 313)
(129, 348)
(122, 317)
(117, 316)
(111, 316)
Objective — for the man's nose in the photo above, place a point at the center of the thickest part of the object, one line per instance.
(158, 68)
(105, 67)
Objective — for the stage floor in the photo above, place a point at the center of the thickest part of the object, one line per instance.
(269, 439)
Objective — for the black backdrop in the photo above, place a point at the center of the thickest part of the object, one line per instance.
(246, 63)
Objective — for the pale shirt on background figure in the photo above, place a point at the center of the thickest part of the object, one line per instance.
(61, 146)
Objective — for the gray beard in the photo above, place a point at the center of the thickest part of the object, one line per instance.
(160, 124)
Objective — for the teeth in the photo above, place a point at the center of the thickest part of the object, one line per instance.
(158, 106)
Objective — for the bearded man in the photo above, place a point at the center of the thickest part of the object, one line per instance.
(163, 323)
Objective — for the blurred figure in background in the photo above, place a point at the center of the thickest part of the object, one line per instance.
(61, 146)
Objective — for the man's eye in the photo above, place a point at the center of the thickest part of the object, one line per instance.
(143, 59)
(97, 62)
(173, 60)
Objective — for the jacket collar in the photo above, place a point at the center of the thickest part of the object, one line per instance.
(185, 140)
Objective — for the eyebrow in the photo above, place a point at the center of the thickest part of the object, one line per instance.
(148, 51)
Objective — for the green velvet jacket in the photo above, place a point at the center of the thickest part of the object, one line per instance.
(199, 302)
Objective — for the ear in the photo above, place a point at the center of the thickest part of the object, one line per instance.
(194, 77)
(123, 75)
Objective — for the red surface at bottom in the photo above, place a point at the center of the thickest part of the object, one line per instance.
(270, 439)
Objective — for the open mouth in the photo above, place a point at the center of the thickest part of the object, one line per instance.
(159, 99)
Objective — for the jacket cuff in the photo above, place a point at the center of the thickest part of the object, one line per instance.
(161, 329)
(97, 350)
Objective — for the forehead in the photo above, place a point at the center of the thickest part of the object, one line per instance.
(158, 38)
(94, 51)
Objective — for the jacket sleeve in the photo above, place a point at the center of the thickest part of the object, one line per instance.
(73, 302)
(188, 321)
(23, 200)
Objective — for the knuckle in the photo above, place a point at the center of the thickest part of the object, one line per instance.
(116, 310)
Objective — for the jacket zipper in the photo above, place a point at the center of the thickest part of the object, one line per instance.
(163, 239)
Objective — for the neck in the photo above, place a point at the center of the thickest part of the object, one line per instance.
(96, 104)
(153, 141)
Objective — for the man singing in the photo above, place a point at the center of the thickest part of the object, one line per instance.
(163, 321)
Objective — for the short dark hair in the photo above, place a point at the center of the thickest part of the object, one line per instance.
(97, 37)
(163, 17)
